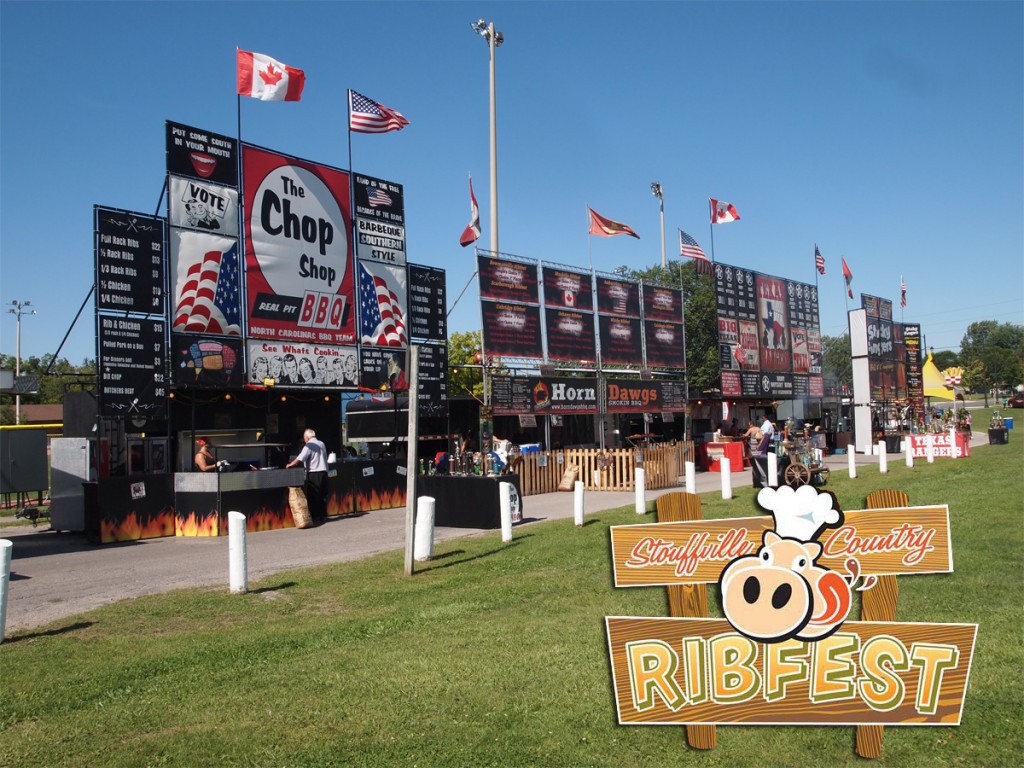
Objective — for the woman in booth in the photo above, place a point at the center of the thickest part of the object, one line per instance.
(204, 459)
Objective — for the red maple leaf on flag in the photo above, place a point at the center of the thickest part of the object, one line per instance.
(271, 76)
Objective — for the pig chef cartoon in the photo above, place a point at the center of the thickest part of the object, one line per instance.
(778, 592)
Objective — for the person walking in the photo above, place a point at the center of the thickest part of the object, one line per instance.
(313, 457)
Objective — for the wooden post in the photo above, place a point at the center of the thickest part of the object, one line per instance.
(879, 604)
(686, 600)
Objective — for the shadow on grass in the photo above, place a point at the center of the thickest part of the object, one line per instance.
(425, 567)
(50, 632)
(275, 588)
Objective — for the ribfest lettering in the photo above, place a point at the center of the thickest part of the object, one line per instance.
(786, 585)
(698, 670)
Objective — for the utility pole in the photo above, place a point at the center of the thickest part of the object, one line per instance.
(18, 308)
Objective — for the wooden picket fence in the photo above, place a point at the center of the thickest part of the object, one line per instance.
(605, 470)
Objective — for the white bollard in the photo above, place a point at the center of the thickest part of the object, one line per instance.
(6, 549)
(726, 466)
(577, 502)
(929, 448)
(691, 477)
(505, 499)
(423, 537)
(910, 452)
(640, 500)
(238, 564)
(883, 459)
(851, 458)
(773, 470)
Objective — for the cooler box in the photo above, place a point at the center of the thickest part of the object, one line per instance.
(1008, 421)
(530, 448)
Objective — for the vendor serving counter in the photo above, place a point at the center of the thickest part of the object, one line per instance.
(715, 452)
(203, 499)
(469, 501)
(197, 503)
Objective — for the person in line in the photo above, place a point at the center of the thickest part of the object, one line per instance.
(767, 435)
(204, 459)
(751, 439)
(313, 457)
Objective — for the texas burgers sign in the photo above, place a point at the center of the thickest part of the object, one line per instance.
(297, 251)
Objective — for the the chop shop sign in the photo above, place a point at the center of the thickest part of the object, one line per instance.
(298, 255)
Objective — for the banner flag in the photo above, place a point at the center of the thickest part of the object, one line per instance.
(261, 77)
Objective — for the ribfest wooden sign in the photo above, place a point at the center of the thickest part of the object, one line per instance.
(883, 541)
(784, 654)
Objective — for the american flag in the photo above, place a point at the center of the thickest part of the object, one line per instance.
(377, 197)
(903, 293)
(819, 260)
(367, 116)
(688, 247)
(209, 295)
(382, 319)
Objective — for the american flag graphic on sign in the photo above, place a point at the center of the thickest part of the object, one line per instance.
(207, 292)
(377, 196)
(381, 307)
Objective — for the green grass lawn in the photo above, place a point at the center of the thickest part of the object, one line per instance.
(491, 654)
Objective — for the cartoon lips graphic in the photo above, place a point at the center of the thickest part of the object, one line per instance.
(203, 163)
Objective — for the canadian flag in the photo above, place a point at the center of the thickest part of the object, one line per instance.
(472, 230)
(267, 79)
(723, 212)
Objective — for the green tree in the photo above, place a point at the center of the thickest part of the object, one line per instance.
(702, 361)
(945, 358)
(992, 355)
(836, 363)
(55, 375)
(464, 350)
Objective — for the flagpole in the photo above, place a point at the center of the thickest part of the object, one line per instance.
(351, 172)
(816, 292)
(590, 256)
(686, 367)
(352, 232)
(712, 227)
(847, 286)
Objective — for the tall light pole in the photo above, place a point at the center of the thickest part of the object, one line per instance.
(494, 39)
(18, 308)
(659, 193)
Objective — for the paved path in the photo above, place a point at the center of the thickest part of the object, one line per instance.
(56, 575)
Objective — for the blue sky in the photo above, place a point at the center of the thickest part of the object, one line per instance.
(890, 133)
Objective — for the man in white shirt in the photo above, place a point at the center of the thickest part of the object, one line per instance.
(313, 457)
(767, 428)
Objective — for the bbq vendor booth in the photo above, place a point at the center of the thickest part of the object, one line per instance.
(242, 341)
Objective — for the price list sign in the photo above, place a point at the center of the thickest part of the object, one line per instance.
(433, 380)
(427, 303)
(129, 262)
(735, 292)
(132, 361)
